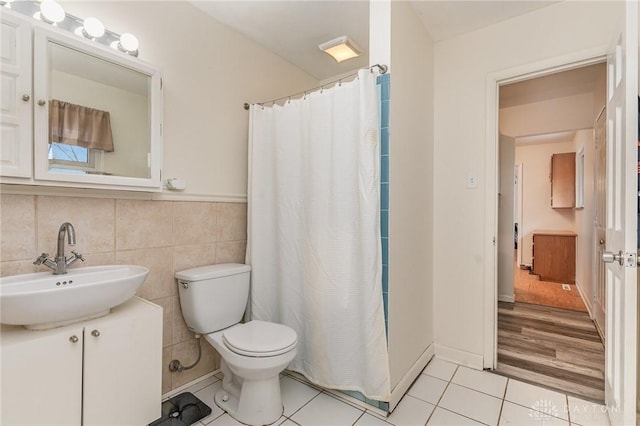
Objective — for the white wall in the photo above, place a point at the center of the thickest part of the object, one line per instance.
(209, 72)
(537, 213)
(411, 192)
(584, 220)
(462, 66)
(550, 116)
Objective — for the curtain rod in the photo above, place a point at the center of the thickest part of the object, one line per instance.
(382, 68)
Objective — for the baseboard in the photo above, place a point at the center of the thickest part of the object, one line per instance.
(405, 383)
(585, 299)
(460, 357)
(507, 298)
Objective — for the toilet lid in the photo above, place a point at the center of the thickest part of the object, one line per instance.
(260, 339)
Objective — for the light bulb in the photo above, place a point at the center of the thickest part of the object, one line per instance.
(92, 28)
(128, 42)
(51, 12)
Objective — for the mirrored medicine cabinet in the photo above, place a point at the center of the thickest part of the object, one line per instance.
(96, 112)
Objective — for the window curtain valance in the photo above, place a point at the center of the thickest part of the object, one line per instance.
(79, 125)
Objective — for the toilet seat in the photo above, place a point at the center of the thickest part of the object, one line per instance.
(260, 339)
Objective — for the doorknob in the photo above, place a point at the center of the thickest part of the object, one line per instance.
(601, 242)
(609, 257)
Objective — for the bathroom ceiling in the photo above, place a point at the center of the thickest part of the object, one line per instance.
(294, 29)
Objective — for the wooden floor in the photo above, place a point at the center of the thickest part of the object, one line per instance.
(551, 347)
(529, 288)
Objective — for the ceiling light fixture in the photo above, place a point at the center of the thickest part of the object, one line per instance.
(51, 12)
(341, 48)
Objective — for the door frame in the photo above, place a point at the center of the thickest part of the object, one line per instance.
(494, 81)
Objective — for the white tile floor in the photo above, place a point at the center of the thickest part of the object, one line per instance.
(444, 394)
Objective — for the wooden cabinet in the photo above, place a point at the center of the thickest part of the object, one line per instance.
(105, 371)
(554, 256)
(563, 180)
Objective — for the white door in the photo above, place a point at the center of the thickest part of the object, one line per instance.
(507, 157)
(621, 281)
(123, 366)
(599, 220)
(41, 377)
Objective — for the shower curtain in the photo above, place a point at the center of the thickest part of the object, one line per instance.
(314, 233)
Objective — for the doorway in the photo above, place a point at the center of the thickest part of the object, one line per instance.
(547, 282)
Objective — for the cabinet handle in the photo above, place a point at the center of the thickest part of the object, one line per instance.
(73, 339)
(42, 102)
(26, 98)
(95, 333)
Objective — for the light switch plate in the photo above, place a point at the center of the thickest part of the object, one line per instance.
(472, 181)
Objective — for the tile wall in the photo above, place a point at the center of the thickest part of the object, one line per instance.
(385, 98)
(165, 236)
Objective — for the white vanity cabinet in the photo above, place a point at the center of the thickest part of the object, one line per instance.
(106, 371)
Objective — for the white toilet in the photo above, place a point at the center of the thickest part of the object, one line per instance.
(213, 300)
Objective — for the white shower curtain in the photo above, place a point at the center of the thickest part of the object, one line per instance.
(314, 233)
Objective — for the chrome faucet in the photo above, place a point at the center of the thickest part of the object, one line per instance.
(60, 262)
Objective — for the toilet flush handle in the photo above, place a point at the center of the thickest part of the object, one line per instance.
(184, 285)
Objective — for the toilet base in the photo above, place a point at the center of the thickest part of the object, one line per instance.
(252, 402)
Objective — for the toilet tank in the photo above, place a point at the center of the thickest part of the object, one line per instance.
(213, 297)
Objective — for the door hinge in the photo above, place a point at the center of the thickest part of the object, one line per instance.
(494, 241)
(630, 260)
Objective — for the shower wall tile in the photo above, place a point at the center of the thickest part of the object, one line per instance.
(194, 223)
(384, 114)
(384, 141)
(143, 224)
(384, 196)
(384, 169)
(164, 236)
(92, 219)
(384, 223)
(17, 217)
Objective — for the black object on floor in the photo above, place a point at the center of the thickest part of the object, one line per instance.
(182, 410)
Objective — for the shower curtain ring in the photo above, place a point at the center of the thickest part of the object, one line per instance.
(321, 89)
(305, 96)
(340, 83)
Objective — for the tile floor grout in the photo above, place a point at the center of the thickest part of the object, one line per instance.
(419, 407)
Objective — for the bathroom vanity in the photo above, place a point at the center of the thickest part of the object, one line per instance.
(104, 371)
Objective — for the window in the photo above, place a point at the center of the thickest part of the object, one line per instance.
(64, 157)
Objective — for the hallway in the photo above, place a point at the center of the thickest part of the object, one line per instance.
(552, 347)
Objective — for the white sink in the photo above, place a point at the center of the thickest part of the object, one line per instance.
(43, 300)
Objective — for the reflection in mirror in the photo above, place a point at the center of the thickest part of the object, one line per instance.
(99, 116)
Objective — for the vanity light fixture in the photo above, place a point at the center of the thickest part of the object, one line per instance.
(128, 43)
(92, 28)
(50, 12)
(341, 48)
